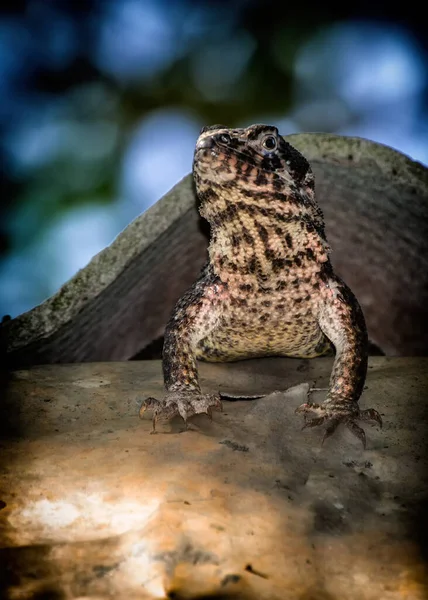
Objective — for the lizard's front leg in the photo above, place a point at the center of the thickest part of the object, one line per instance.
(341, 319)
(194, 317)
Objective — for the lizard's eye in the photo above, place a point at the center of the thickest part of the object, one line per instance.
(269, 143)
(224, 138)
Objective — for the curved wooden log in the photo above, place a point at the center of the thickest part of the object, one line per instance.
(375, 202)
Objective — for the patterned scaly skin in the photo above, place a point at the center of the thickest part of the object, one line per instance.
(268, 287)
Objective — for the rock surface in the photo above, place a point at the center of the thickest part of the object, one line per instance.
(375, 203)
(246, 506)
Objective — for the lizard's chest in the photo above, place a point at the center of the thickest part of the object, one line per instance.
(273, 322)
(273, 309)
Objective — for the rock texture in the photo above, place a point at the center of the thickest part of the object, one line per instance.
(375, 202)
(246, 506)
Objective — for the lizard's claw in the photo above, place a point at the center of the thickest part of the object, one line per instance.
(331, 415)
(184, 404)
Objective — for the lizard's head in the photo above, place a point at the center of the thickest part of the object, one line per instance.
(250, 160)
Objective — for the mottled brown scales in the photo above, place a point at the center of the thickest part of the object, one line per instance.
(268, 288)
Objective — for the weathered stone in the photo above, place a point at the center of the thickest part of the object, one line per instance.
(246, 506)
(375, 202)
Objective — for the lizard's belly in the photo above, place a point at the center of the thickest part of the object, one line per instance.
(261, 329)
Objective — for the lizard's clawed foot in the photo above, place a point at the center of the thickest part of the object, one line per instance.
(332, 414)
(185, 404)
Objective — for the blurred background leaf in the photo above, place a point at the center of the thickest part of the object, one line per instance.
(102, 102)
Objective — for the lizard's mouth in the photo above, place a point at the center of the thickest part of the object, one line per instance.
(214, 160)
(201, 153)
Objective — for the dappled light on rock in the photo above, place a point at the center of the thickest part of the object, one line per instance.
(244, 506)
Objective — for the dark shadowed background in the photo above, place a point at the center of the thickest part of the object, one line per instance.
(102, 101)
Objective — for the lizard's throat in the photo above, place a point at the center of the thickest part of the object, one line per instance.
(259, 237)
(258, 253)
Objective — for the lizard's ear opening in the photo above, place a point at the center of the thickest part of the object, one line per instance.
(296, 163)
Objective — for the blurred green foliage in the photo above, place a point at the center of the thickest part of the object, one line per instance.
(79, 78)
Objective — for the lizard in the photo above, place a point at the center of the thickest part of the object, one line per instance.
(268, 288)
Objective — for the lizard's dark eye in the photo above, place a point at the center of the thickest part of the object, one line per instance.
(225, 138)
(269, 143)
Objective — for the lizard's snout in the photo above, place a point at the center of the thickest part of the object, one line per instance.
(205, 142)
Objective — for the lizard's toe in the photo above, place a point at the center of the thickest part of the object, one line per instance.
(357, 431)
(160, 409)
(311, 407)
(313, 422)
(370, 414)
